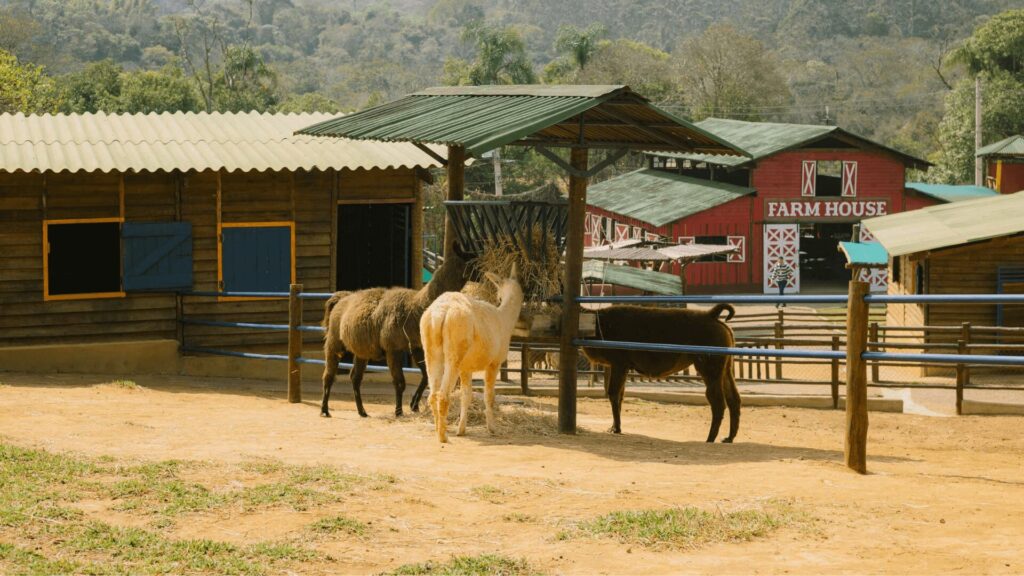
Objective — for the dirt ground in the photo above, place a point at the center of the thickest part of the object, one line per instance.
(945, 495)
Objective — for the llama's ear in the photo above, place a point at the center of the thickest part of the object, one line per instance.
(493, 278)
(514, 274)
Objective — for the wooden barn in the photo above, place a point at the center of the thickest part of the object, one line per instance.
(105, 218)
(972, 247)
(1003, 163)
(802, 191)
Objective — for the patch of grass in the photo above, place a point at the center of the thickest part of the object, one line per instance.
(482, 565)
(686, 527)
(518, 517)
(14, 559)
(126, 384)
(491, 494)
(292, 495)
(342, 524)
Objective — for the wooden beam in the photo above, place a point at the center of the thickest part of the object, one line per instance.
(429, 152)
(568, 167)
(855, 447)
(570, 307)
(456, 183)
(653, 132)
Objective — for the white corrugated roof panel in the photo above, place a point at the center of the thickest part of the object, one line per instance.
(949, 225)
(188, 141)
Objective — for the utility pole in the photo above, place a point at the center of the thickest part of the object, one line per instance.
(496, 159)
(978, 178)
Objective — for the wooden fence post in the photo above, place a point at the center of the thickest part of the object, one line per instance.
(873, 336)
(524, 368)
(835, 375)
(961, 373)
(504, 371)
(965, 335)
(779, 335)
(294, 344)
(855, 447)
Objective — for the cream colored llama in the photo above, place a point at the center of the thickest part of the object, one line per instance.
(462, 335)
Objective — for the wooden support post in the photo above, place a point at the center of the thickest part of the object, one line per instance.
(779, 335)
(524, 369)
(567, 351)
(294, 344)
(504, 371)
(835, 375)
(873, 337)
(961, 372)
(965, 335)
(855, 447)
(456, 184)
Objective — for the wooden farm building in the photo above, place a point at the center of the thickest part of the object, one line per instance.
(972, 247)
(1004, 164)
(104, 217)
(802, 190)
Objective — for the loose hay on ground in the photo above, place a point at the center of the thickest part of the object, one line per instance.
(512, 415)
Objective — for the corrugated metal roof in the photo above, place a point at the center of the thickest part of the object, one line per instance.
(1012, 146)
(695, 251)
(656, 253)
(482, 118)
(948, 225)
(186, 141)
(645, 280)
(952, 192)
(866, 254)
(659, 198)
(763, 139)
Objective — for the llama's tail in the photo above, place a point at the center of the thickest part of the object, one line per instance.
(329, 305)
(717, 311)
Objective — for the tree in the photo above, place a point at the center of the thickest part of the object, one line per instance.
(500, 58)
(726, 73)
(309, 102)
(166, 90)
(244, 82)
(95, 88)
(579, 45)
(24, 87)
(639, 66)
(995, 53)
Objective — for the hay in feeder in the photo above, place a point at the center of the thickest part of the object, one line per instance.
(537, 261)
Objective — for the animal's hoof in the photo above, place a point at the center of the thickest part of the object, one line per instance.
(325, 414)
(726, 440)
(364, 415)
(414, 407)
(615, 430)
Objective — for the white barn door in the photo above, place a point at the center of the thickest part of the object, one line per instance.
(878, 278)
(782, 240)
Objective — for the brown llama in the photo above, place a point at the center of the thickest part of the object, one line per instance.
(669, 326)
(382, 323)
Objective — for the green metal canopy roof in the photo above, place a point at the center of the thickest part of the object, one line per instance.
(1012, 146)
(636, 278)
(763, 139)
(952, 192)
(865, 254)
(658, 197)
(482, 118)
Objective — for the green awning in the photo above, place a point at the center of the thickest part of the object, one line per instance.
(865, 254)
(1012, 146)
(482, 118)
(951, 192)
(644, 280)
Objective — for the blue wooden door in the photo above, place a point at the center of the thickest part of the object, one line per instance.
(157, 255)
(257, 259)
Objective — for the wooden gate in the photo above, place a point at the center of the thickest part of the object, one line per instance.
(782, 240)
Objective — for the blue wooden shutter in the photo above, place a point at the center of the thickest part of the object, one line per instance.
(257, 259)
(157, 255)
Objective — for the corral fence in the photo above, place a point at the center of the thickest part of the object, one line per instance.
(822, 330)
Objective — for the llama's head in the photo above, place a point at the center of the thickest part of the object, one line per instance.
(509, 289)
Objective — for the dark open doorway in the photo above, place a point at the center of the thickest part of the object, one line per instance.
(822, 266)
(374, 245)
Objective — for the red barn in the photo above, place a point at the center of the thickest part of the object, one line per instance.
(800, 193)
(1004, 164)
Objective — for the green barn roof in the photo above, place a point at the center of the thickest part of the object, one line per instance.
(482, 118)
(636, 278)
(952, 192)
(659, 198)
(1012, 146)
(763, 139)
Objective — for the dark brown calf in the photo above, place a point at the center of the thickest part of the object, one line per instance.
(669, 326)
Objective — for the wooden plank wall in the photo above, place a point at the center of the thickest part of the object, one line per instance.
(307, 198)
(970, 270)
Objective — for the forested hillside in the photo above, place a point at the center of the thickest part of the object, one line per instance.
(879, 68)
